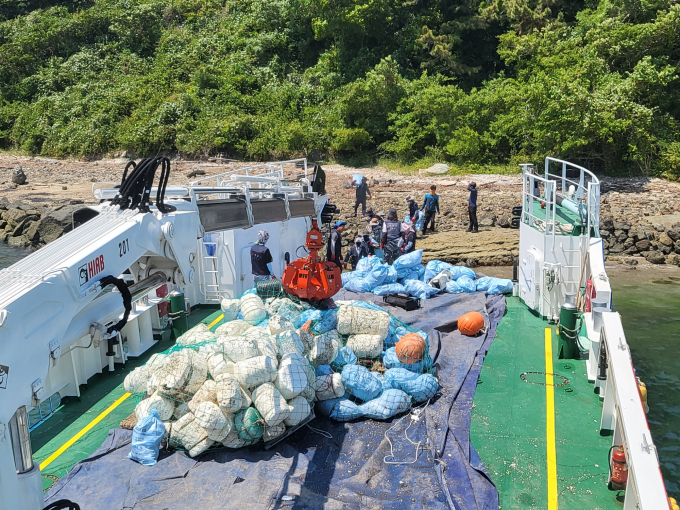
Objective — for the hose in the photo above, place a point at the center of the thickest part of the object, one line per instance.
(134, 191)
(127, 300)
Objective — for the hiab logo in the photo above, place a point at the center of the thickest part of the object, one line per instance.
(91, 269)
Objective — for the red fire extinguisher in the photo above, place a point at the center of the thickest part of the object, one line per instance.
(618, 469)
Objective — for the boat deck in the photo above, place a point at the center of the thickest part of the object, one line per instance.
(541, 444)
(535, 461)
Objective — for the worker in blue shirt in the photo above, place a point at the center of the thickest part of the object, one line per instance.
(261, 258)
(412, 209)
(431, 208)
(472, 208)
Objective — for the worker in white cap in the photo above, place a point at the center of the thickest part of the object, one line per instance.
(261, 258)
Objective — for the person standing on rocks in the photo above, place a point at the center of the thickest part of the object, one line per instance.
(407, 243)
(472, 208)
(261, 258)
(334, 247)
(431, 208)
(391, 234)
(362, 193)
(412, 209)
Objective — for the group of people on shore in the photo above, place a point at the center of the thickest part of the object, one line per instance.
(387, 238)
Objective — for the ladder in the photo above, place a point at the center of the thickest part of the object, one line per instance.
(210, 279)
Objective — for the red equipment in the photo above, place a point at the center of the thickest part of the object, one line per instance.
(619, 470)
(311, 278)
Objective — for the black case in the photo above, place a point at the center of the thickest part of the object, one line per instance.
(404, 301)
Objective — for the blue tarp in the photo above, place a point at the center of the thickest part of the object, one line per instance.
(310, 471)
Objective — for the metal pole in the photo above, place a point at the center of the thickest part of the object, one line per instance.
(21, 441)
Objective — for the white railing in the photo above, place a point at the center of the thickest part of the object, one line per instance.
(623, 413)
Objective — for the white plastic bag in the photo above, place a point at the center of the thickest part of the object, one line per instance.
(255, 371)
(325, 348)
(329, 386)
(273, 432)
(238, 348)
(300, 409)
(163, 406)
(228, 393)
(289, 342)
(230, 309)
(233, 328)
(277, 324)
(252, 309)
(206, 393)
(209, 416)
(354, 320)
(137, 380)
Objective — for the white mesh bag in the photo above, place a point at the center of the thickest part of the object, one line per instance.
(265, 343)
(289, 342)
(309, 393)
(228, 393)
(230, 309)
(173, 374)
(177, 427)
(233, 440)
(238, 348)
(252, 309)
(325, 348)
(209, 417)
(198, 373)
(273, 432)
(201, 447)
(306, 338)
(137, 380)
(270, 404)
(255, 371)
(365, 346)
(354, 320)
(156, 360)
(329, 386)
(218, 364)
(273, 305)
(277, 324)
(246, 398)
(206, 393)
(300, 409)
(163, 406)
(233, 328)
(219, 435)
(291, 379)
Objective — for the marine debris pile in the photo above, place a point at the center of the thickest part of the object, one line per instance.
(407, 275)
(262, 371)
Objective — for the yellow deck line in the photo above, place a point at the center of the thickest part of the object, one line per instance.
(84, 431)
(550, 422)
(215, 321)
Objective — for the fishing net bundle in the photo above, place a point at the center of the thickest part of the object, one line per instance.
(267, 368)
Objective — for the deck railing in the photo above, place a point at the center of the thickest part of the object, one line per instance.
(624, 415)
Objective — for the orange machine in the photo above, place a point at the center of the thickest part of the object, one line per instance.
(310, 278)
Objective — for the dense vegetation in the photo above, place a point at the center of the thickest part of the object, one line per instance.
(475, 82)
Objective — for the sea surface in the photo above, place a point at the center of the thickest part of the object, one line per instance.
(649, 303)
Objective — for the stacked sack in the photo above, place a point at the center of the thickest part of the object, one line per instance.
(247, 382)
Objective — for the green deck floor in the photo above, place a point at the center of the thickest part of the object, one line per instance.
(509, 422)
(96, 397)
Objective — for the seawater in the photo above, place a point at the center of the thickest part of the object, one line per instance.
(9, 255)
(649, 303)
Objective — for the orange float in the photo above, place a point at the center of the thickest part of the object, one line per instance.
(411, 348)
(471, 323)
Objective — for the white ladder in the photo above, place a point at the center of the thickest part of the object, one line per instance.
(209, 273)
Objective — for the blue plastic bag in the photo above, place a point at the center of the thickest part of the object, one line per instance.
(360, 382)
(390, 288)
(384, 382)
(390, 360)
(328, 321)
(408, 260)
(358, 285)
(345, 357)
(307, 315)
(338, 409)
(458, 271)
(420, 220)
(323, 370)
(376, 276)
(434, 267)
(461, 285)
(366, 264)
(419, 289)
(356, 179)
(250, 291)
(146, 438)
(389, 404)
(416, 273)
(392, 275)
(420, 387)
(492, 285)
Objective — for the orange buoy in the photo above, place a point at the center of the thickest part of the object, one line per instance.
(471, 323)
(411, 348)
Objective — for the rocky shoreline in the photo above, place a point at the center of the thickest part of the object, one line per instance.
(640, 217)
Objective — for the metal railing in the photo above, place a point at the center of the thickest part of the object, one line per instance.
(623, 413)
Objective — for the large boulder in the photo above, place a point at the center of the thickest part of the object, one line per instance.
(655, 257)
(18, 175)
(643, 245)
(665, 239)
(56, 223)
(621, 225)
(4, 203)
(617, 248)
(503, 221)
(673, 233)
(673, 259)
(24, 224)
(19, 241)
(14, 216)
(487, 221)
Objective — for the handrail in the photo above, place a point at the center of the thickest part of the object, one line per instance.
(623, 413)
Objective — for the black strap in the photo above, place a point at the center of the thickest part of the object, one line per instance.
(63, 504)
(439, 346)
(127, 300)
